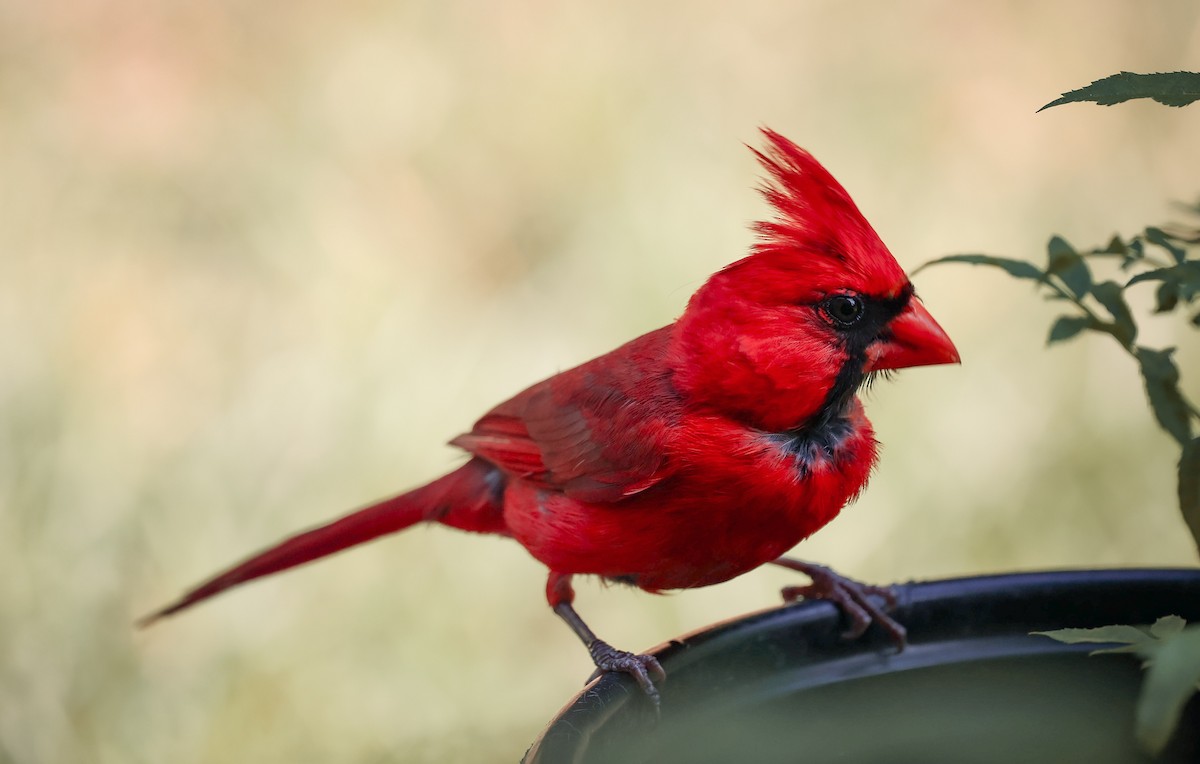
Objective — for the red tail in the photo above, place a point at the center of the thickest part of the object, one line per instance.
(468, 498)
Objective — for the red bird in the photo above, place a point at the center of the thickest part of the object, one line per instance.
(699, 451)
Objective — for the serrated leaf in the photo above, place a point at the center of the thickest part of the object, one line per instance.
(1162, 388)
(1170, 681)
(1111, 296)
(1167, 626)
(1066, 263)
(1066, 327)
(1120, 634)
(1015, 268)
(1161, 238)
(1189, 487)
(1168, 88)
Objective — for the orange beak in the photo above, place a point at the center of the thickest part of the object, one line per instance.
(913, 339)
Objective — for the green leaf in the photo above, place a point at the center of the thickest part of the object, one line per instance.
(1067, 327)
(1168, 88)
(1119, 634)
(1116, 246)
(1058, 247)
(1110, 295)
(1015, 268)
(1170, 681)
(1172, 652)
(1162, 388)
(1066, 263)
(1189, 487)
(1167, 626)
(1166, 297)
(1128, 639)
(1161, 238)
(1179, 282)
(1186, 273)
(1171, 273)
(1137, 251)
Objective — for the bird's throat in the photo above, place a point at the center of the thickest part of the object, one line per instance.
(814, 447)
(819, 438)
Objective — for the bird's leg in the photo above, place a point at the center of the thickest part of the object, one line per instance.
(857, 600)
(645, 669)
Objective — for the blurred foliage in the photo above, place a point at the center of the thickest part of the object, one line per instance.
(1171, 652)
(1101, 307)
(258, 261)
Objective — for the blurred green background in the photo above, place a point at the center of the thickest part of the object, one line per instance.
(260, 261)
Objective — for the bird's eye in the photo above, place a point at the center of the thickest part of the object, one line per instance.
(844, 310)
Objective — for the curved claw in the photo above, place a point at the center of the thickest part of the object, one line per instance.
(645, 669)
(857, 600)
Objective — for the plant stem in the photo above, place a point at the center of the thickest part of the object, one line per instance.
(1130, 349)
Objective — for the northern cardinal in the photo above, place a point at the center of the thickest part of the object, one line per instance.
(696, 452)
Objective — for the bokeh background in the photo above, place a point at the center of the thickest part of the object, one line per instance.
(259, 261)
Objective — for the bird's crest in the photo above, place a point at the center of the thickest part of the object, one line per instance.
(817, 220)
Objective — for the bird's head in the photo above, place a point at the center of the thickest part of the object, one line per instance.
(820, 303)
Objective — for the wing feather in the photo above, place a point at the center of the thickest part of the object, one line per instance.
(598, 432)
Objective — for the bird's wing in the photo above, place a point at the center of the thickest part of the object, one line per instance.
(598, 432)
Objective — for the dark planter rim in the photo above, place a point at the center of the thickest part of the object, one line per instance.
(948, 620)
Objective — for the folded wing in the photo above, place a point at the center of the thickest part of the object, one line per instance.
(597, 433)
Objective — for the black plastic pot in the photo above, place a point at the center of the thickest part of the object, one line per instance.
(973, 685)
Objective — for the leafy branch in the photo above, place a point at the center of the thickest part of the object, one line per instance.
(1163, 255)
(1158, 255)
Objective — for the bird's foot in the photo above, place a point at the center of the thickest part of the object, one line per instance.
(645, 669)
(860, 602)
